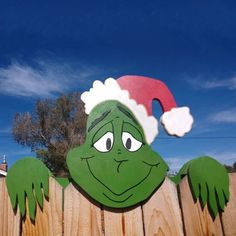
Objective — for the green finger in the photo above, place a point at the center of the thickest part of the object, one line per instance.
(194, 186)
(226, 193)
(21, 202)
(45, 180)
(38, 194)
(37, 189)
(31, 204)
(12, 195)
(203, 194)
(221, 198)
(212, 201)
(176, 179)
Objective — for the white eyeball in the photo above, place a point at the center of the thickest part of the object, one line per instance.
(130, 143)
(105, 143)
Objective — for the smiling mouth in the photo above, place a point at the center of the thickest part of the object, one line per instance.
(120, 194)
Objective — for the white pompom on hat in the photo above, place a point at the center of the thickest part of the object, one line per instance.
(137, 93)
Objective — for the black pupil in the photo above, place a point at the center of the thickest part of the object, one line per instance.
(108, 144)
(128, 143)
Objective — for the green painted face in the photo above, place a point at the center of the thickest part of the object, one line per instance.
(115, 165)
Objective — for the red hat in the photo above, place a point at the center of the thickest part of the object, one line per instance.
(137, 93)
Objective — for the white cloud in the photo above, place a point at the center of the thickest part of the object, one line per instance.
(225, 116)
(43, 80)
(203, 83)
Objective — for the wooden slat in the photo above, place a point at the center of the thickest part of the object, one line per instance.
(123, 222)
(197, 221)
(9, 221)
(162, 215)
(113, 222)
(133, 222)
(48, 221)
(229, 215)
(81, 217)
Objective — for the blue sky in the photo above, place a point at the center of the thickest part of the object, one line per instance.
(50, 47)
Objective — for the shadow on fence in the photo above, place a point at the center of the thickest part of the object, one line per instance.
(170, 211)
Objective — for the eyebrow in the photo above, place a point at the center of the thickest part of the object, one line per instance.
(99, 119)
(127, 114)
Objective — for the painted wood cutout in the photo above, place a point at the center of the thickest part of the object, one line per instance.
(116, 165)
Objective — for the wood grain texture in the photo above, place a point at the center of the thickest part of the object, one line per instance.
(9, 221)
(123, 222)
(133, 222)
(197, 221)
(162, 214)
(48, 221)
(229, 215)
(113, 222)
(81, 216)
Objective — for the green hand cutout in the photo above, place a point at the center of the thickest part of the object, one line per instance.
(26, 178)
(116, 166)
(209, 182)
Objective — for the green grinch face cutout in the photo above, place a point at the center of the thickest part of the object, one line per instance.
(116, 166)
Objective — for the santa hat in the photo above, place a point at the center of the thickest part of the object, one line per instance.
(137, 93)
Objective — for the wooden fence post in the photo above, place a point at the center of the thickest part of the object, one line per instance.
(197, 221)
(133, 222)
(81, 217)
(123, 222)
(9, 221)
(48, 222)
(229, 215)
(162, 214)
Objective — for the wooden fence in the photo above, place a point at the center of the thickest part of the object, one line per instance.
(170, 211)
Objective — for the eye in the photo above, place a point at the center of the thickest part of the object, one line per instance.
(104, 144)
(130, 143)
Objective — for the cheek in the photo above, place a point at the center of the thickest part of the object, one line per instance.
(76, 159)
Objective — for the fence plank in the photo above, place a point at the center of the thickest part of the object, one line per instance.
(9, 221)
(49, 220)
(197, 221)
(229, 215)
(113, 222)
(81, 216)
(162, 215)
(123, 222)
(133, 222)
